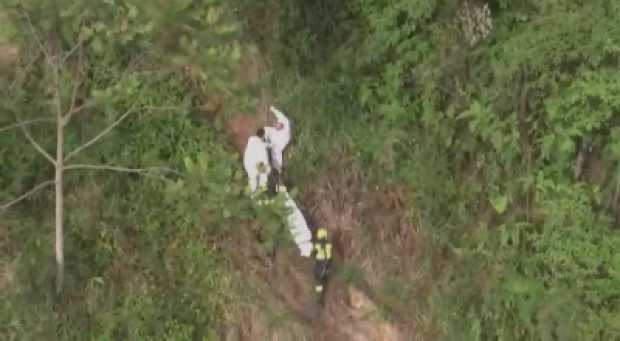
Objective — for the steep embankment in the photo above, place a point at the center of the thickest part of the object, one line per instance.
(370, 232)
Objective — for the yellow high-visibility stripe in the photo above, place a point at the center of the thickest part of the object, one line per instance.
(323, 253)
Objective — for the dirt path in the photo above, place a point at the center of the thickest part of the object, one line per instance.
(8, 56)
(348, 313)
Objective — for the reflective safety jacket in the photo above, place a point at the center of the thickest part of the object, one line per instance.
(322, 249)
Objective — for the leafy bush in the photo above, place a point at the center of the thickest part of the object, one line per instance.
(486, 135)
(141, 251)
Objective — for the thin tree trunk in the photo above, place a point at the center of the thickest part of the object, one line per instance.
(60, 259)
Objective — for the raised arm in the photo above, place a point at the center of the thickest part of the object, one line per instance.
(279, 115)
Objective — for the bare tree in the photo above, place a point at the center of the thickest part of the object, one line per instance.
(55, 63)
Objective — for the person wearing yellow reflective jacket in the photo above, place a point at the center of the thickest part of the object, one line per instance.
(322, 253)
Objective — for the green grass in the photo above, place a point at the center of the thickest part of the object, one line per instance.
(351, 274)
(7, 30)
(325, 121)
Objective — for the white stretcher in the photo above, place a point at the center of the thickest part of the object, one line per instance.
(297, 225)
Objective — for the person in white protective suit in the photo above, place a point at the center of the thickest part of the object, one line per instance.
(256, 161)
(278, 137)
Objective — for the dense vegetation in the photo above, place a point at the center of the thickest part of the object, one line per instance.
(142, 262)
(500, 117)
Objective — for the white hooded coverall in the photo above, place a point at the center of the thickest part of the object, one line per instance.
(255, 153)
(278, 139)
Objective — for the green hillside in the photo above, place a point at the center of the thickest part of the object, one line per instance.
(464, 156)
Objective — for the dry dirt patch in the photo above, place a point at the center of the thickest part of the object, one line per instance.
(373, 228)
(8, 55)
(354, 214)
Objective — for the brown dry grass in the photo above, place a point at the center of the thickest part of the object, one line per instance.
(8, 53)
(365, 222)
(249, 73)
(7, 252)
(283, 289)
(371, 227)
(7, 275)
(240, 128)
(374, 228)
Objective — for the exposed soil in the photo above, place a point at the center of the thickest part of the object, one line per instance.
(240, 128)
(284, 286)
(8, 53)
(8, 56)
(372, 229)
(7, 269)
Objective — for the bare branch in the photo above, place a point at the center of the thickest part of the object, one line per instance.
(27, 194)
(24, 72)
(76, 85)
(167, 108)
(67, 118)
(37, 146)
(36, 37)
(57, 102)
(73, 49)
(24, 123)
(102, 134)
(122, 169)
(77, 45)
(72, 109)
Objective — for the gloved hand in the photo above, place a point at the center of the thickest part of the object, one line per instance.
(262, 168)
